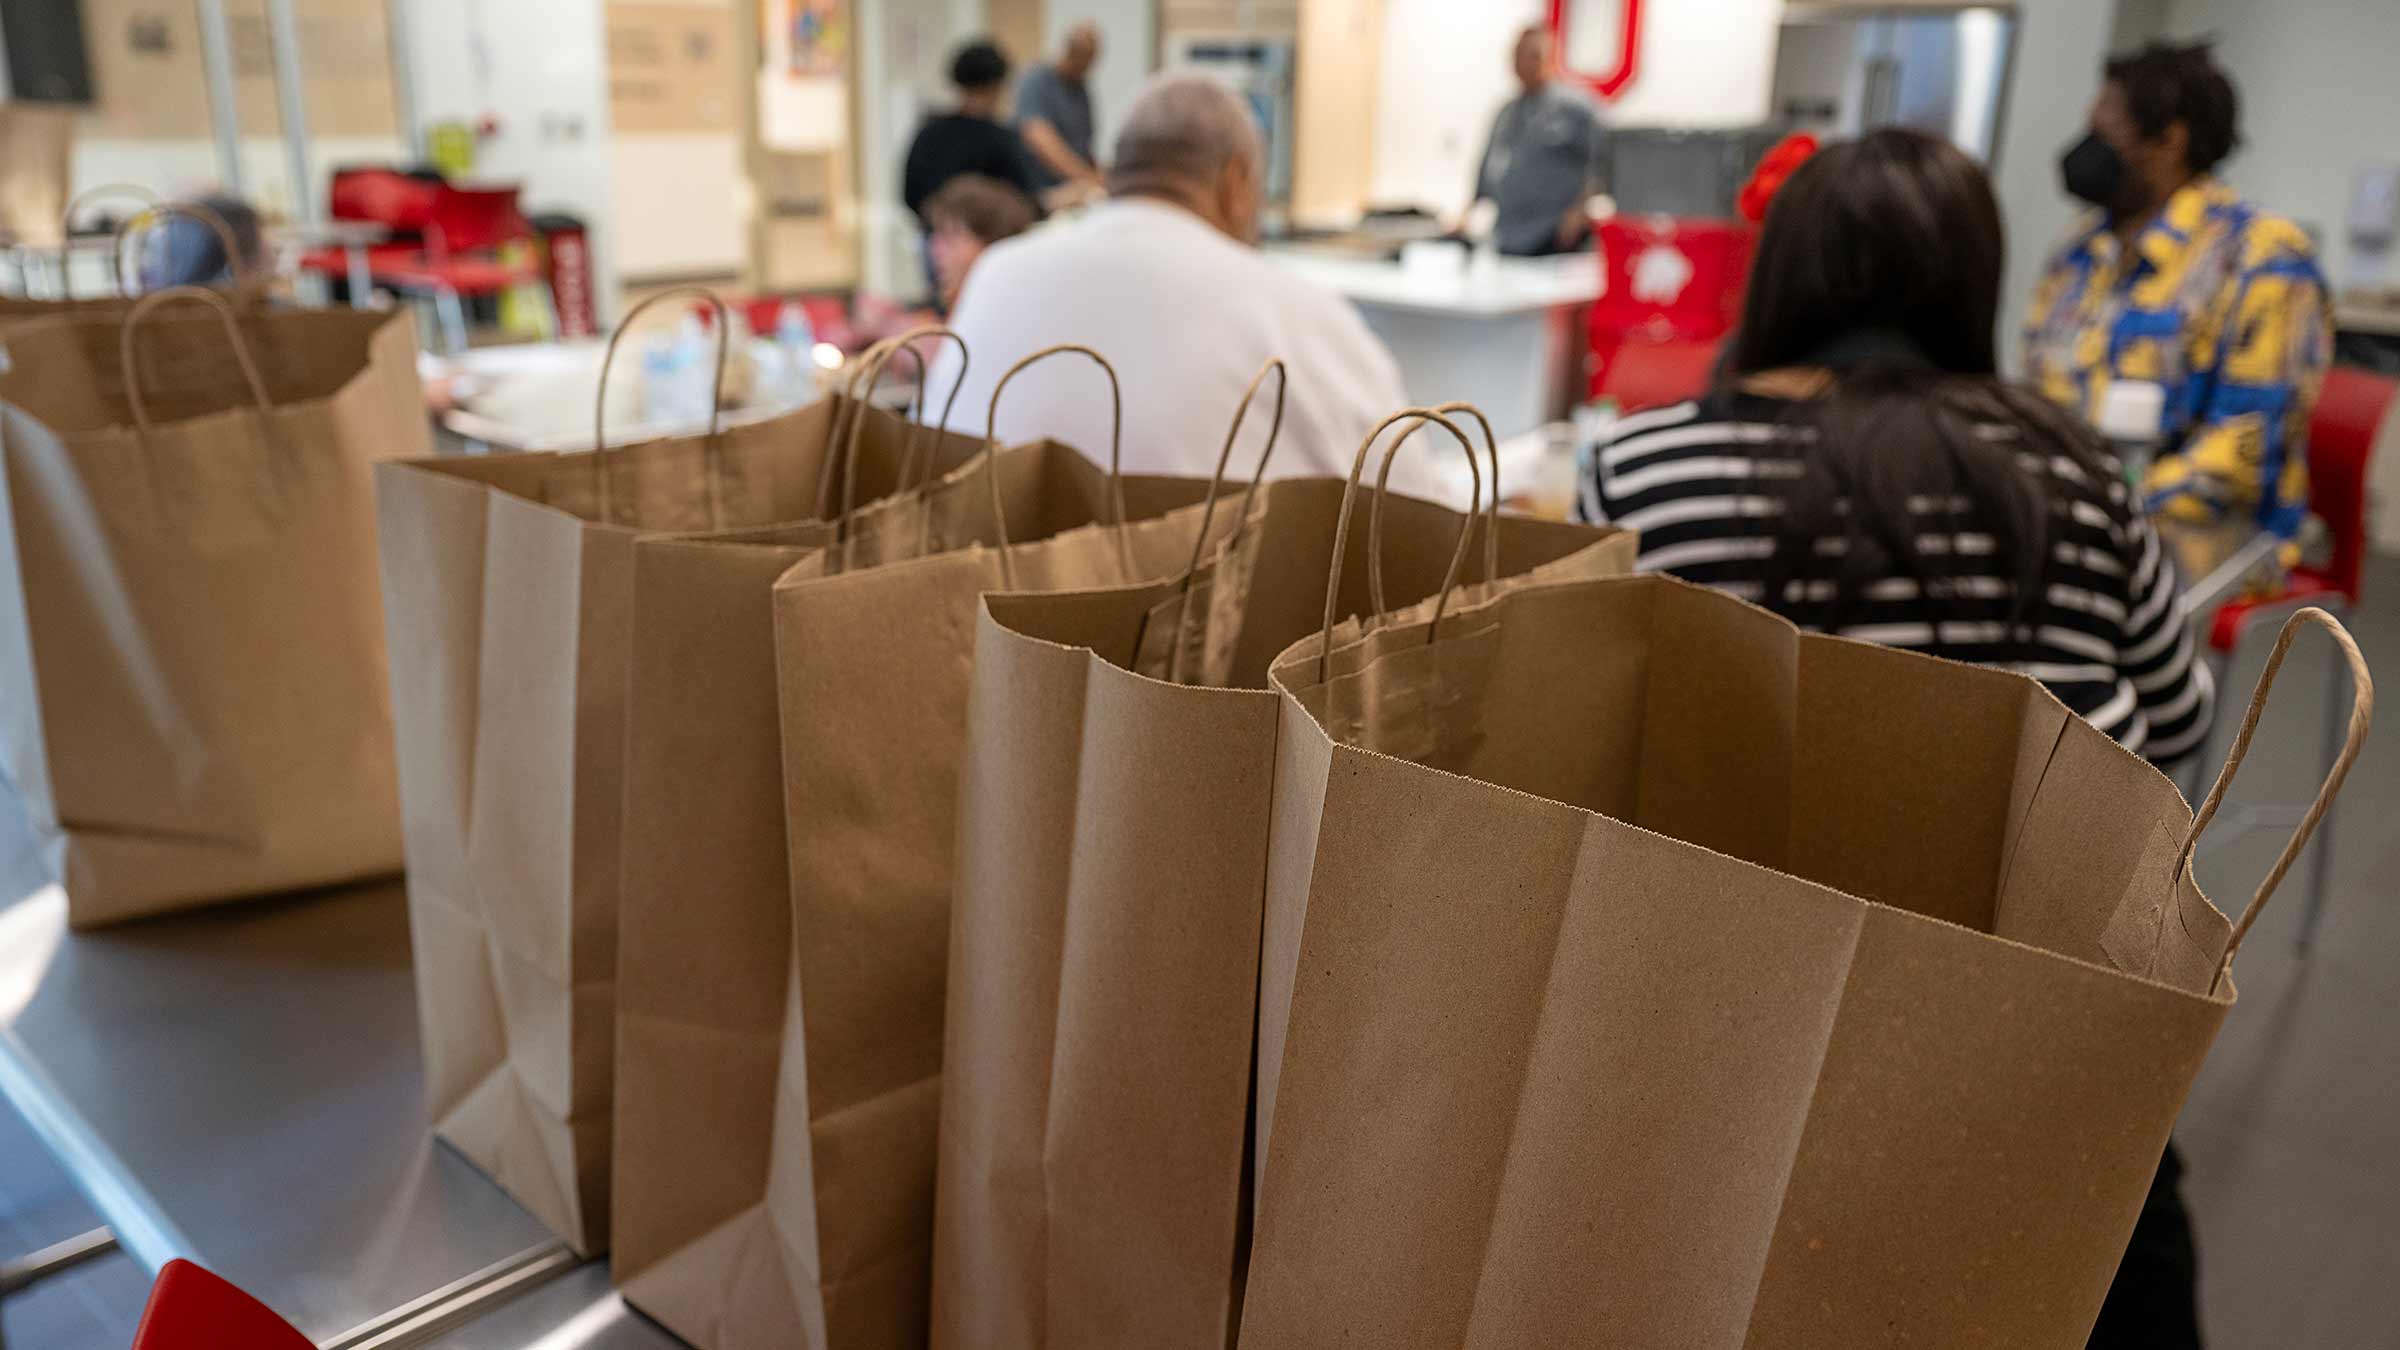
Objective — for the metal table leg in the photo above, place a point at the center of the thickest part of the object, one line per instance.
(55, 1259)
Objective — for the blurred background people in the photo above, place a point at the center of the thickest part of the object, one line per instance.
(1545, 156)
(969, 214)
(1861, 469)
(1054, 114)
(970, 142)
(2176, 280)
(187, 249)
(1163, 279)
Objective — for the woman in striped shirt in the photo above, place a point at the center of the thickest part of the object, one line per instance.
(1861, 469)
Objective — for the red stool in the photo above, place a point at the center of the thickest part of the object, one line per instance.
(2341, 441)
(190, 1309)
(464, 234)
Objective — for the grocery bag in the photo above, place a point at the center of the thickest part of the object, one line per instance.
(822, 1237)
(192, 699)
(1105, 932)
(704, 914)
(508, 589)
(1640, 971)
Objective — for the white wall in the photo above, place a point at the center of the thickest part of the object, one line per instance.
(2060, 47)
(1705, 63)
(2319, 96)
(539, 69)
(1445, 71)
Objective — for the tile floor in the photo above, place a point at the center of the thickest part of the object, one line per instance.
(2290, 1135)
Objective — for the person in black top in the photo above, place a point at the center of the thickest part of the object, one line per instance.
(970, 140)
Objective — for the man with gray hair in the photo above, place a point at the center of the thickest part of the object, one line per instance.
(1163, 281)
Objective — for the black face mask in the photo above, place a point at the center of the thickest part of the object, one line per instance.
(2093, 170)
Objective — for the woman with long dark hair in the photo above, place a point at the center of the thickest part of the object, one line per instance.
(1861, 468)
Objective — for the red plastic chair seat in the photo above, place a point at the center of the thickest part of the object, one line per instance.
(191, 1309)
(466, 276)
(2304, 586)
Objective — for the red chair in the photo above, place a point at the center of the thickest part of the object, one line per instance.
(191, 1309)
(1673, 291)
(464, 236)
(401, 203)
(1644, 374)
(2341, 440)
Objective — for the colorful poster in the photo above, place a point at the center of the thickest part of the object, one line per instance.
(808, 38)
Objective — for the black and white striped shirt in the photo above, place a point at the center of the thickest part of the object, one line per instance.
(2109, 638)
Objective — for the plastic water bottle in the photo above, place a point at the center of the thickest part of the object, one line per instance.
(695, 371)
(661, 385)
(796, 346)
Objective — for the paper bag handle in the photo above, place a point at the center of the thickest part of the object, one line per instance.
(66, 231)
(1116, 442)
(1208, 509)
(1415, 417)
(716, 396)
(863, 380)
(1383, 478)
(843, 410)
(149, 216)
(156, 300)
(2362, 711)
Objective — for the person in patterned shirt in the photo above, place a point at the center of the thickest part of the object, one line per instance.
(2179, 282)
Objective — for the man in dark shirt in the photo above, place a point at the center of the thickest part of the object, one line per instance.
(1054, 112)
(971, 140)
(1544, 158)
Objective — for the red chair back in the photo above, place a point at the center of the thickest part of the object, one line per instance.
(191, 1309)
(1676, 276)
(2341, 439)
(387, 197)
(1639, 373)
(475, 219)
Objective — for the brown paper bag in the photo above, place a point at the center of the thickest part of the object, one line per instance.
(704, 955)
(1703, 984)
(1105, 935)
(508, 587)
(192, 700)
(820, 1238)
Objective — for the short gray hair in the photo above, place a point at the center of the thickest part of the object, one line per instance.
(1183, 130)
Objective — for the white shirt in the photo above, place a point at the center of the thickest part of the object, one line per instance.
(1186, 316)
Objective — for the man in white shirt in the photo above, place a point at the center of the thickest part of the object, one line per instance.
(1163, 280)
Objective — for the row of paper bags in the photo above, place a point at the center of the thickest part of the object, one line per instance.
(993, 912)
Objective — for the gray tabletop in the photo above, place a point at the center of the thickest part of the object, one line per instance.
(242, 1087)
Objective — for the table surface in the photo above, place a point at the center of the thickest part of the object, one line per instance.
(1509, 286)
(330, 233)
(242, 1087)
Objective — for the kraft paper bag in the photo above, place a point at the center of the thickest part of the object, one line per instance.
(805, 1089)
(1104, 939)
(1639, 971)
(192, 697)
(508, 587)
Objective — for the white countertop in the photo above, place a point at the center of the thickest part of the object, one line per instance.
(1509, 286)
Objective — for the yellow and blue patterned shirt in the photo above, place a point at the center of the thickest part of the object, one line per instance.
(2222, 305)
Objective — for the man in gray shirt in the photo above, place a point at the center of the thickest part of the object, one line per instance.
(1545, 156)
(1054, 112)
